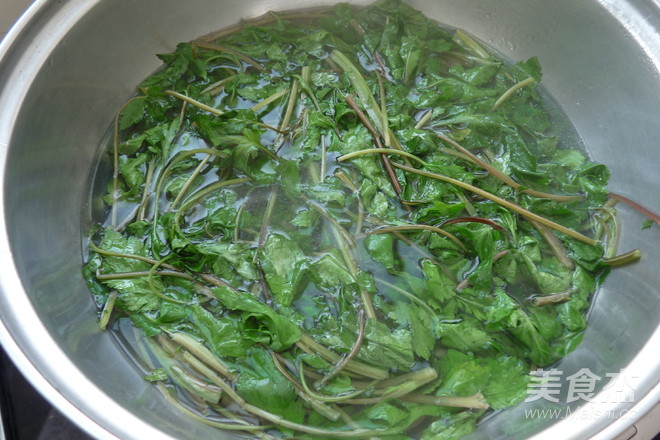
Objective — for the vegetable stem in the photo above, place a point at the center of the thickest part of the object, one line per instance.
(407, 294)
(220, 48)
(413, 381)
(107, 310)
(204, 192)
(204, 354)
(511, 91)
(361, 88)
(346, 359)
(291, 105)
(500, 201)
(322, 397)
(302, 390)
(476, 401)
(624, 259)
(115, 161)
(503, 177)
(510, 205)
(194, 102)
(385, 161)
(273, 418)
(400, 228)
(471, 44)
(354, 366)
(238, 426)
(645, 211)
(555, 245)
(272, 98)
(189, 182)
(555, 298)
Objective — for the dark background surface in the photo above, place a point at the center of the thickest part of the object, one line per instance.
(25, 414)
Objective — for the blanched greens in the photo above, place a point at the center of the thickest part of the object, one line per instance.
(347, 223)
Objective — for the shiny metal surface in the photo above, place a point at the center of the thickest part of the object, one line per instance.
(2, 428)
(68, 66)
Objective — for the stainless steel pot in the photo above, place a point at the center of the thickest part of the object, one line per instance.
(67, 67)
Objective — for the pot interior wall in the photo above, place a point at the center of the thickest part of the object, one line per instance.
(594, 66)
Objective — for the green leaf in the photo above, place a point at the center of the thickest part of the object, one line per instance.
(330, 271)
(357, 139)
(550, 276)
(384, 346)
(133, 173)
(261, 384)
(464, 335)
(502, 379)
(422, 327)
(451, 427)
(438, 284)
(526, 69)
(381, 248)
(133, 113)
(222, 335)
(525, 330)
(478, 75)
(279, 331)
(283, 264)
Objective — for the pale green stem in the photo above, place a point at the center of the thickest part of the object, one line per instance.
(555, 245)
(204, 354)
(323, 159)
(273, 418)
(485, 194)
(194, 385)
(424, 119)
(220, 48)
(141, 274)
(204, 192)
(194, 102)
(115, 160)
(322, 397)
(323, 409)
(145, 195)
(383, 111)
(190, 181)
(506, 95)
(339, 366)
(476, 401)
(402, 228)
(354, 366)
(503, 177)
(270, 208)
(272, 98)
(623, 259)
(408, 295)
(355, 154)
(555, 298)
(293, 99)
(179, 158)
(471, 44)
(239, 426)
(239, 215)
(416, 380)
(361, 88)
(505, 203)
(107, 310)
(217, 86)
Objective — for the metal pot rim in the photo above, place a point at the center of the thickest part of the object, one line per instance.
(51, 384)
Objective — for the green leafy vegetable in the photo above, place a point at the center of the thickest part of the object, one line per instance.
(348, 223)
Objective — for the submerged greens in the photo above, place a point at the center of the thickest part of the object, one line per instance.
(347, 223)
